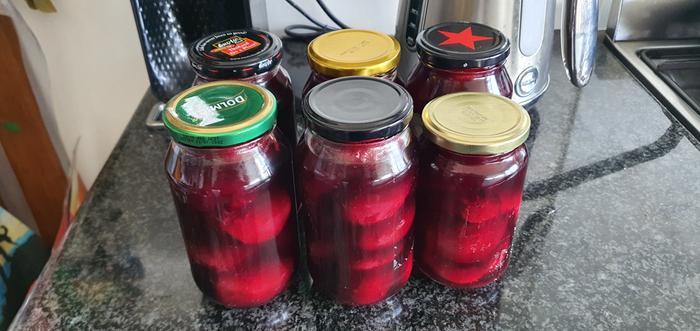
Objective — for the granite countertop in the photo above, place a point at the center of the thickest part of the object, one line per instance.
(608, 236)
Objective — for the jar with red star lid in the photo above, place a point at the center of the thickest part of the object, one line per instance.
(251, 56)
(459, 57)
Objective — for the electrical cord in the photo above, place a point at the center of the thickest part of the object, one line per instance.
(312, 31)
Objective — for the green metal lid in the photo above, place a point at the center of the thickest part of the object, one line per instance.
(219, 114)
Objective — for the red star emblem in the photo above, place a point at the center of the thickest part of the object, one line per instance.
(464, 38)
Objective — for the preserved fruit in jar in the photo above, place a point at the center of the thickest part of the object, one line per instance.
(230, 175)
(356, 164)
(459, 57)
(473, 166)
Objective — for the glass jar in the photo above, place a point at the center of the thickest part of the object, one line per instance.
(352, 52)
(357, 171)
(251, 56)
(230, 175)
(473, 165)
(459, 57)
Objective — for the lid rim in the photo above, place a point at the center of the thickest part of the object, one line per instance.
(244, 130)
(262, 61)
(394, 122)
(497, 142)
(449, 59)
(329, 67)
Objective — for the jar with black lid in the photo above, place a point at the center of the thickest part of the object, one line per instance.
(251, 56)
(357, 168)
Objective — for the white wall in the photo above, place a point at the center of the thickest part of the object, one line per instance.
(369, 14)
(95, 70)
(377, 15)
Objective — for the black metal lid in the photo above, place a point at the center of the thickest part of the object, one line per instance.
(454, 45)
(351, 109)
(235, 53)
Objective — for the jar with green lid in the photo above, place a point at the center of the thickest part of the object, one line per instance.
(473, 162)
(229, 172)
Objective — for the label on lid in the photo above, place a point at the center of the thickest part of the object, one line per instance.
(220, 114)
(462, 44)
(231, 45)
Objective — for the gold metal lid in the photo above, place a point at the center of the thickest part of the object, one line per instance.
(353, 52)
(476, 123)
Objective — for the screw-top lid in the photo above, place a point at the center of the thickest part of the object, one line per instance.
(476, 123)
(220, 114)
(453, 45)
(235, 53)
(353, 52)
(351, 109)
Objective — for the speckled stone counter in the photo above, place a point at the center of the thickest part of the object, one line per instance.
(608, 237)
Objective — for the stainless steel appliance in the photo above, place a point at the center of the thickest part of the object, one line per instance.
(529, 24)
(659, 41)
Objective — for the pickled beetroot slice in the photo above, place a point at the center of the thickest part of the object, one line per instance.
(374, 286)
(377, 204)
(472, 242)
(367, 260)
(469, 275)
(481, 209)
(225, 258)
(262, 221)
(384, 234)
(254, 287)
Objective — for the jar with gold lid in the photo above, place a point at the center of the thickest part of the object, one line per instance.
(352, 52)
(473, 165)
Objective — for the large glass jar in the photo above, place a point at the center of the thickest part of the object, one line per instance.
(357, 170)
(459, 57)
(473, 165)
(352, 52)
(231, 179)
(250, 56)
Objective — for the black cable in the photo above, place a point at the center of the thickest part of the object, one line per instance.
(331, 16)
(314, 31)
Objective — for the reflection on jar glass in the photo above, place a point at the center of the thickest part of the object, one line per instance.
(229, 172)
(473, 165)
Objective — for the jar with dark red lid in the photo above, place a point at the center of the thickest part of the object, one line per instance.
(352, 52)
(230, 175)
(459, 57)
(357, 168)
(473, 166)
(251, 56)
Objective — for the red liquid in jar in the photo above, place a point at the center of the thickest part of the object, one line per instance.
(467, 209)
(427, 83)
(234, 205)
(459, 57)
(358, 208)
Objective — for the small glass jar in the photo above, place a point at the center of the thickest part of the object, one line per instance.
(251, 56)
(230, 175)
(357, 171)
(473, 165)
(459, 57)
(352, 52)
